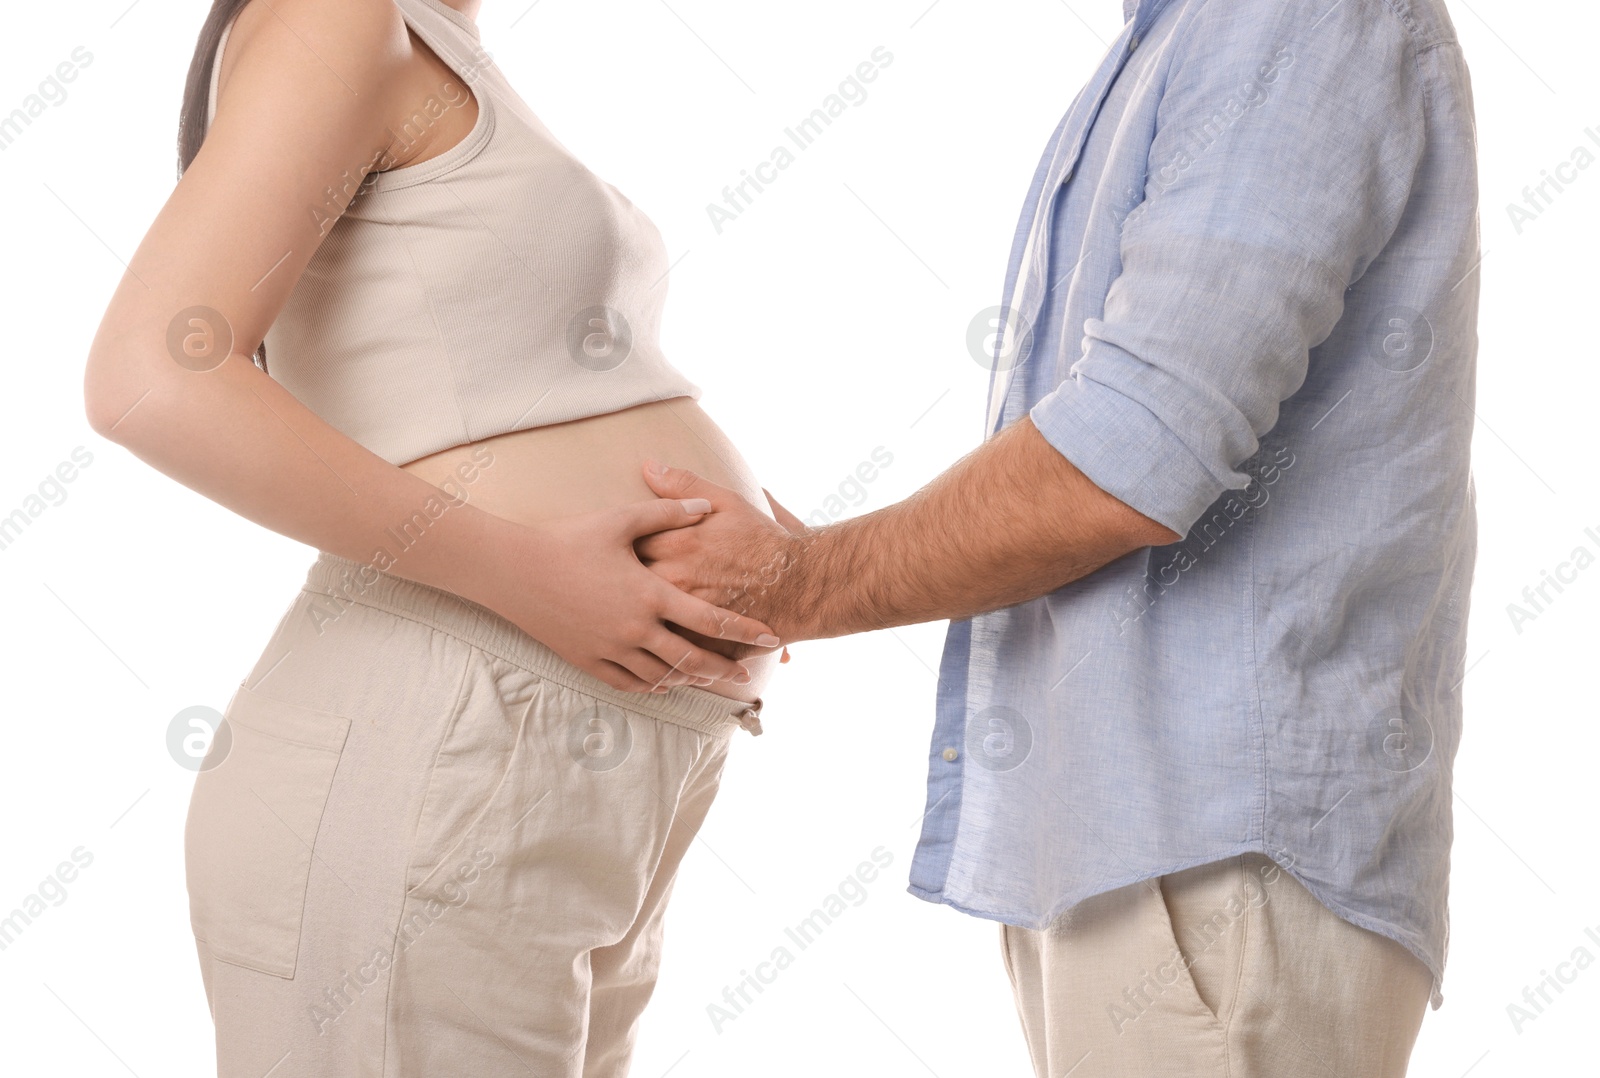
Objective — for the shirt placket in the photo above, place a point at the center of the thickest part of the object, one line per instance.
(1024, 305)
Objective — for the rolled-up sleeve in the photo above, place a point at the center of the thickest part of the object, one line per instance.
(1285, 143)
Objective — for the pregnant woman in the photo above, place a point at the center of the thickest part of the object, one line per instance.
(385, 313)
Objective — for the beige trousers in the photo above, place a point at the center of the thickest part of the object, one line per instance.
(1226, 970)
(421, 844)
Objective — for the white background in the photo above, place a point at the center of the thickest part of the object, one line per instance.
(828, 320)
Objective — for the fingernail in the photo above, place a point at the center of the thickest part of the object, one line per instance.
(742, 678)
(695, 505)
(767, 640)
(656, 468)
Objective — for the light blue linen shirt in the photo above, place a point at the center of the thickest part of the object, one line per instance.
(1243, 295)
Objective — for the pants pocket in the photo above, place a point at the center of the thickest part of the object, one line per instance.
(1005, 954)
(253, 818)
(475, 761)
(1196, 920)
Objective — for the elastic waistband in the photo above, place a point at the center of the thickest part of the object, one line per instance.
(351, 582)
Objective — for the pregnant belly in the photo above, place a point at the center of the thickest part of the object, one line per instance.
(595, 463)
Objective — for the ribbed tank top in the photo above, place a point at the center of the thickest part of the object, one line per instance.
(496, 287)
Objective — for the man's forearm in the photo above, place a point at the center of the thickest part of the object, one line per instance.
(1010, 521)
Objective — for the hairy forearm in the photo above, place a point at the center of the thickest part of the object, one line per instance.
(1011, 521)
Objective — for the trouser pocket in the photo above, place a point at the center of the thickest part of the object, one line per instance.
(252, 825)
(1203, 918)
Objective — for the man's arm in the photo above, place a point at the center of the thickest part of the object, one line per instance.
(1232, 268)
(1010, 521)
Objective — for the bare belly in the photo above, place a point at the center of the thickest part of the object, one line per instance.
(569, 468)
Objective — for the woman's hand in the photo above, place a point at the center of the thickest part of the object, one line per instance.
(738, 556)
(576, 585)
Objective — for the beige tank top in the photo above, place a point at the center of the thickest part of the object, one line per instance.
(496, 287)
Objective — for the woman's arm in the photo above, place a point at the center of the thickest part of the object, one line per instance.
(310, 90)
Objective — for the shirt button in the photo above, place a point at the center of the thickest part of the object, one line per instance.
(1068, 178)
(950, 755)
(1133, 42)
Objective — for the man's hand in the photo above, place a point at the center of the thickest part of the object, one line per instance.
(733, 558)
(1010, 521)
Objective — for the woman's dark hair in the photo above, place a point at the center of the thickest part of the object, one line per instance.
(196, 94)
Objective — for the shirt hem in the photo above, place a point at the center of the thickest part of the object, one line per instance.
(1022, 920)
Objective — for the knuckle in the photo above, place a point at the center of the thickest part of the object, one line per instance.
(716, 665)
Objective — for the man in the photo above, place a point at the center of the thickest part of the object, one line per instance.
(1208, 578)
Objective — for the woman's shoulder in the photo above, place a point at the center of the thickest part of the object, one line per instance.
(359, 42)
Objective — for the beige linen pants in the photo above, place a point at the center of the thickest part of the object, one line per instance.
(422, 844)
(1227, 970)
